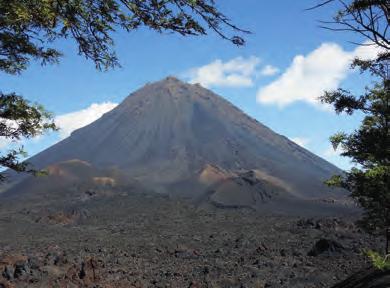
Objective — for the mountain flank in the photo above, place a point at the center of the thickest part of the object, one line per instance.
(185, 141)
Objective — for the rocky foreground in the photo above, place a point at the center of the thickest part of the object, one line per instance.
(151, 241)
(367, 278)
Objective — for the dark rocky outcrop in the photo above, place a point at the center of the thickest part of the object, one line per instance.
(368, 278)
(325, 246)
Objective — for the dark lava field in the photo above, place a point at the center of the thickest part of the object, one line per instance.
(145, 240)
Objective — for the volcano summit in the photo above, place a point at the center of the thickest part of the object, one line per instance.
(185, 141)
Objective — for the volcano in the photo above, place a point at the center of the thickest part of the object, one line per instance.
(185, 141)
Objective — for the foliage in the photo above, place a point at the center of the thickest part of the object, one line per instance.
(369, 148)
(378, 261)
(368, 18)
(369, 145)
(29, 29)
(20, 119)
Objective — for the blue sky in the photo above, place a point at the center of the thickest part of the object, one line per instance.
(275, 77)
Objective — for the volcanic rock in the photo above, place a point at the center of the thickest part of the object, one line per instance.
(325, 246)
(368, 278)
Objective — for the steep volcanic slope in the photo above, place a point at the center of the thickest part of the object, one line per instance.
(183, 139)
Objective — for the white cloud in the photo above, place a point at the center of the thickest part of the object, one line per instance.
(66, 122)
(330, 152)
(366, 51)
(269, 70)
(75, 120)
(238, 72)
(301, 141)
(309, 76)
(4, 142)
